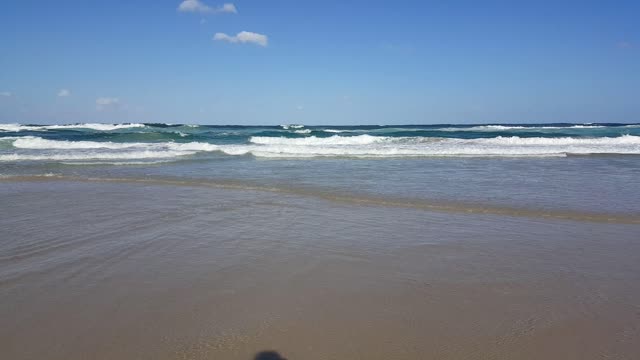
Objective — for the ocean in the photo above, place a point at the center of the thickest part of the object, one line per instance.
(584, 168)
(159, 241)
(137, 143)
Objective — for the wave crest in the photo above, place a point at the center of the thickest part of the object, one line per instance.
(89, 126)
(313, 140)
(37, 148)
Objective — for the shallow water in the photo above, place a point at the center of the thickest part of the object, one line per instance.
(146, 271)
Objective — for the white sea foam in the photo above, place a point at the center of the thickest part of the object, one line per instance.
(12, 138)
(34, 142)
(313, 140)
(18, 127)
(292, 126)
(582, 127)
(563, 141)
(381, 146)
(146, 154)
(191, 146)
(515, 127)
(97, 127)
(36, 148)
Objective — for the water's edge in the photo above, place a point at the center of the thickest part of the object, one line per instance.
(351, 199)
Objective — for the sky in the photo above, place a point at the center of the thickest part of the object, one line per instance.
(319, 62)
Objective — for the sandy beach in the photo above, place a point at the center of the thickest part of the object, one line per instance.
(142, 271)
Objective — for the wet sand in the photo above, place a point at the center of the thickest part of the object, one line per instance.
(122, 270)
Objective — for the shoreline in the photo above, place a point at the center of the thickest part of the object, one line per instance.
(340, 197)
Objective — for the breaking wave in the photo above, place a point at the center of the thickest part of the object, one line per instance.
(312, 140)
(96, 127)
(35, 148)
(292, 126)
(302, 131)
(382, 146)
(523, 127)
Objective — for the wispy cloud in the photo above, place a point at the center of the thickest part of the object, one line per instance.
(64, 93)
(228, 8)
(243, 37)
(106, 102)
(5, 94)
(198, 6)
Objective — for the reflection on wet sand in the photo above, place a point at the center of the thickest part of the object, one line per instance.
(353, 199)
(111, 270)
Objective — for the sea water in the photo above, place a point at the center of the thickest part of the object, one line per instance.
(573, 167)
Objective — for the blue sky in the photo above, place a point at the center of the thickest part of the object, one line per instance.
(319, 62)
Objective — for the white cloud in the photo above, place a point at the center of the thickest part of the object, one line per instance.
(106, 102)
(5, 93)
(200, 7)
(228, 8)
(243, 37)
(64, 93)
(193, 6)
